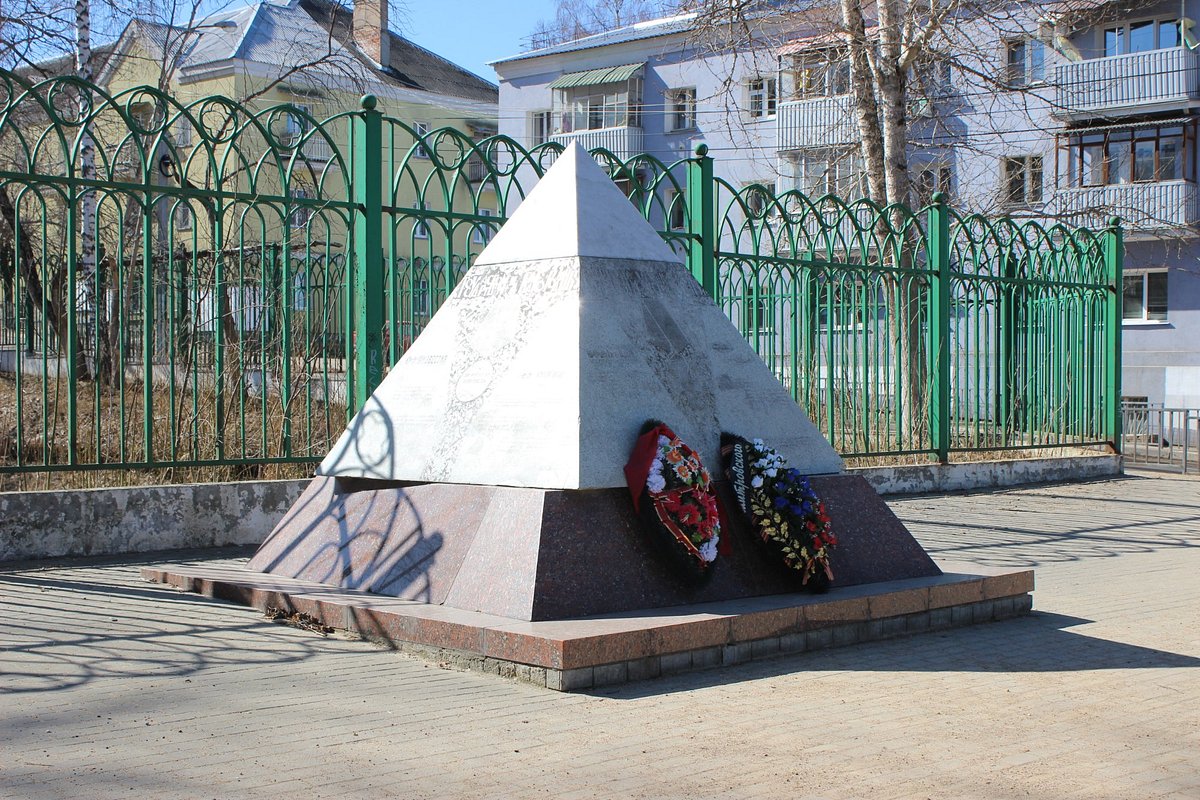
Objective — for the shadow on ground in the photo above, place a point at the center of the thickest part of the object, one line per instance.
(1036, 643)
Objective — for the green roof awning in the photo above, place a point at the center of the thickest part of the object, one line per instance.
(595, 77)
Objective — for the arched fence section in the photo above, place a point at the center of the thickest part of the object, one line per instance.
(206, 283)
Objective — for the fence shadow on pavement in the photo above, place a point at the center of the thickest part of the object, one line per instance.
(60, 631)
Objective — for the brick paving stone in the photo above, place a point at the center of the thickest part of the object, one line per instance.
(111, 687)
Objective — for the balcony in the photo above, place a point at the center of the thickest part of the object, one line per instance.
(1142, 207)
(816, 122)
(623, 141)
(1156, 80)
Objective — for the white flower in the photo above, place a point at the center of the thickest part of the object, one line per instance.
(756, 482)
(655, 482)
(758, 443)
(708, 550)
(663, 441)
(771, 472)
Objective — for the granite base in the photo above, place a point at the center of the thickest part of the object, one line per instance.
(596, 651)
(545, 554)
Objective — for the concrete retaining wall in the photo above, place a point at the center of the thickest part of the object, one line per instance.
(141, 518)
(146, 518)
(925, 478)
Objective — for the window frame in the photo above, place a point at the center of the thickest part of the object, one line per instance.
(301, 215)
(481, 232)
(1143, 277)
(1030, 68)
(541, 126)
(680, 106)
(1025, 164)
(575, 108)
(821, 72)
(420, 130)
(763, 91)
(1081, 149)
(1124, 35)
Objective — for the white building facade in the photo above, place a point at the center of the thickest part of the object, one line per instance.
(1101, 119)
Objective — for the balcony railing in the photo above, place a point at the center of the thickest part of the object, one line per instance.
(623, 141)
(1150, 81)
(1141, 206)
(817, 122)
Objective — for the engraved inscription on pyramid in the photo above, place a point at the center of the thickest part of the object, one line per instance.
(573, 327)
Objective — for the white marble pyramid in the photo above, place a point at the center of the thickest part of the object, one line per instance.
(573, 327)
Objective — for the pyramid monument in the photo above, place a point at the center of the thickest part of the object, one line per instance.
(485, 472)
(573, 327)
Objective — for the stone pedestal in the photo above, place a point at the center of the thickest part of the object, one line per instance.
(543, 554)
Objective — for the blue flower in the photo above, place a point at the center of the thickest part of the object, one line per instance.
(780, 502)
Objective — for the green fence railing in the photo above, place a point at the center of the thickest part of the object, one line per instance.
(224, 285)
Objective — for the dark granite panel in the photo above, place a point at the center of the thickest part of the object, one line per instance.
(873, 544)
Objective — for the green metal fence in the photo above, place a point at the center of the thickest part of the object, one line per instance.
(255, 272)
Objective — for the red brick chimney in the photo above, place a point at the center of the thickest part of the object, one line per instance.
(371, 29)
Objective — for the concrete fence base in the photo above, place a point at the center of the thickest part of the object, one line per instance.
(929, 478)
(140, 519)
(136, 519)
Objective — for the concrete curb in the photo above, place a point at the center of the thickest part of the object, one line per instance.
(976, 475)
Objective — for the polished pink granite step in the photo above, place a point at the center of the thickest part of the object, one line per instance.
(591, 651)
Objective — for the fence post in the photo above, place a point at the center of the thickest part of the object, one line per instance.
(939, 327)
(701, 191)
(1114, 255)
(367, 285)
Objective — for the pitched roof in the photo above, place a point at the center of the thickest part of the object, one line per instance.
(627, 33)
(282, 32)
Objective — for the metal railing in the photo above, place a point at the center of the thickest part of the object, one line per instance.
(1161, 436)
(623, 141)
(1148, 80)
(815, 122)
(1149, 206)
(243, 299)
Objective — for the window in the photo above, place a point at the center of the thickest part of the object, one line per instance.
(821, 73)
(1139, 37)
(540, 127)
(1144, 297)
(300, 291)
(1137, 155)
(758, 313)
(421, 227)
(763, 97)
(421, 129)
(676, 211)
(183, 217)
(420, 299)
(1021, 180)
(930, 179)
(300, 215)
(1025, 62)
(681, 109)
(587, 108)
(183, 132)
(757, 197)
(482, 233)
(840, 174)
(295, 124)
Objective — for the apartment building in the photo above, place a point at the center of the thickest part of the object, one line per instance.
(1076, 116)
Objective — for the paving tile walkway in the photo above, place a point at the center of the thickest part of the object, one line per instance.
(111, 687)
